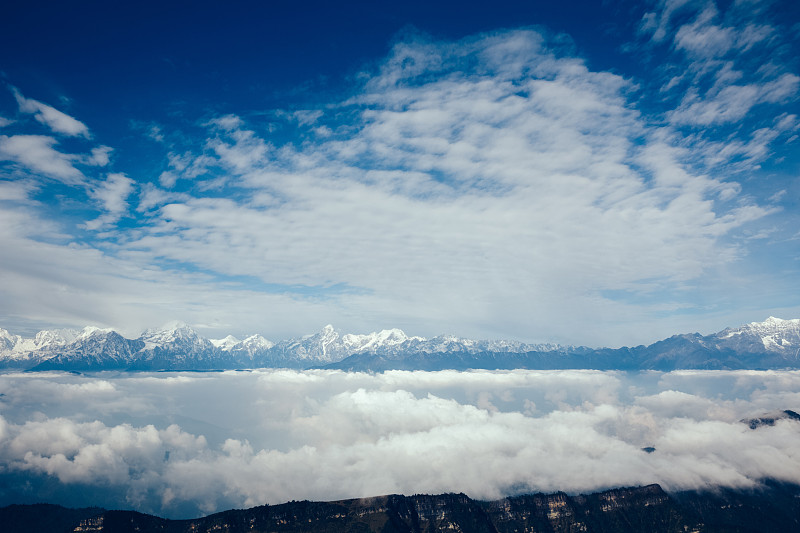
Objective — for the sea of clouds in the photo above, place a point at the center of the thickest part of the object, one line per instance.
(186, 444)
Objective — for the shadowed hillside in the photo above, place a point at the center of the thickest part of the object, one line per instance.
(775, 507)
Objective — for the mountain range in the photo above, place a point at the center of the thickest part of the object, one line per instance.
(772, 344)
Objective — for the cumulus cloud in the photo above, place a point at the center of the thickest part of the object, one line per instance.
(182, 444)
(51, 117)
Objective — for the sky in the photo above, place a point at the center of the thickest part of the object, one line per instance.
(182, 445)
(599, 173)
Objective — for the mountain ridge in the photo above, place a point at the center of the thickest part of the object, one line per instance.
(772, 344)
(773, 507)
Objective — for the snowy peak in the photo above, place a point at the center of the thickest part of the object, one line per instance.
(327, 336)
(8, 341)
(780, 322)
(320, 347)
(90, 331)
(256, 342)
(373, 341)
(225, 344)
(171, 333)
(54, 337)
(250, 345)
(773, 335)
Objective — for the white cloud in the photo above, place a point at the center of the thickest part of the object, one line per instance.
(51, 278)
(151, 196)
(306, 117)
(154, 132)
(112, 195)
(51, 117)
(180, 444)
(489, 180)
(715, 49)
(100, 156)
(658, 23)
(37, 153)
(704, 39)
(733, 102)
(18, 191)
(489, 187)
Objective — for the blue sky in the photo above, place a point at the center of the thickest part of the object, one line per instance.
(590, 173)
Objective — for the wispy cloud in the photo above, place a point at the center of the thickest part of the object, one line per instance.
(733, 102)
(51, 117)
(38, 153)
(112, 195)
(731, 60)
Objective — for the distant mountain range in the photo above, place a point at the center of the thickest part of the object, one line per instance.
(772, 344)
(774, 507)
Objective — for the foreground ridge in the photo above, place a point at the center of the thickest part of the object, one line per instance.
(774, 507)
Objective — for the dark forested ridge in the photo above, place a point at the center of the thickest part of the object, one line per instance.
(772, 508)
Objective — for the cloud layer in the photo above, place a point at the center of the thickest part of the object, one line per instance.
(184, 444)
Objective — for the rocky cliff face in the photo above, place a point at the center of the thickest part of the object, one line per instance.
(775, 507)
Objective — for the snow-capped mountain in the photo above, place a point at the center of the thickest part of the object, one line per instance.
(773, 335)
(21, 349)
(225, 344)
(319, 348)
(328, 347)
(92, 349)
(249, 353)
(774, 343)
(8, 341)
(20, 352)
(388, 340)
(175, 337)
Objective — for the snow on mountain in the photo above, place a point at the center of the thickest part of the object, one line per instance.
(8, 341)
(383, 340)
(172, 334)
(225, 344)
(17, 351)
(257, 342)
(47, 338)
(774, 343)
(773, 335)
(177, 346)
(91, 331)
(247, 353)
(92, 349)
(450, 344)
(321, 347)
